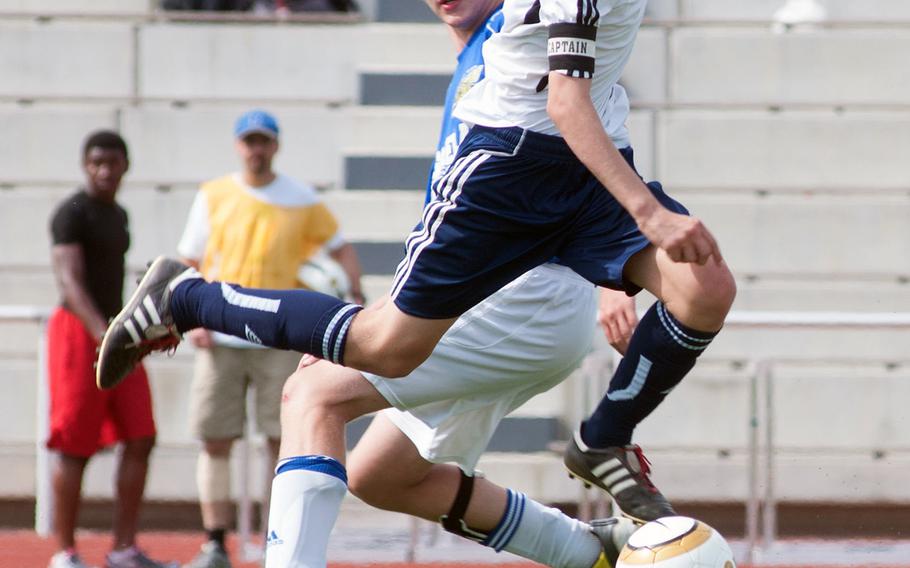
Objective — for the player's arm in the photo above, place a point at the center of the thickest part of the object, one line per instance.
(346, 256)
(685, 239)
(69, 269)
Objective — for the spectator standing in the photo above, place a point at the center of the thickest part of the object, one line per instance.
(90, 237)
(254, 228)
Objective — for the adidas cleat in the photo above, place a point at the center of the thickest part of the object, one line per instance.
(613, 533)
(144, 325)
(621, 471)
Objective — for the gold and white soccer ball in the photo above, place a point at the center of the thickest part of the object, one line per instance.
(323, 274)
(676, 542)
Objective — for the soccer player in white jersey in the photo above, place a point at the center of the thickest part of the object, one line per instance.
(545, 172)
(520, 341)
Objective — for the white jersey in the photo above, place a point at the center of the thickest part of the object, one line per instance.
(580, 38)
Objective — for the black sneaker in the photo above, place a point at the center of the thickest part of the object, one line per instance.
(613, 533)
(621, 471)
(144, 325)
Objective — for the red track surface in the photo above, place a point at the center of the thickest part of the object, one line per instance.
(24, 549)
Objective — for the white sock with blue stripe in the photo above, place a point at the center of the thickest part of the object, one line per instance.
(306, 496)
(543, 534)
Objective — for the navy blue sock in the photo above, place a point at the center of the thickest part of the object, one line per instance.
(297, 320)
(661, 352)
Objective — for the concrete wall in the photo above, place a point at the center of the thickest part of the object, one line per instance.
(791, 147)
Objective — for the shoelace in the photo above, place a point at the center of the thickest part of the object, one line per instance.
(645, 467)
(167, 343)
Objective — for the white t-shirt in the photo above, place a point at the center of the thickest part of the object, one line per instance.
(544, 35)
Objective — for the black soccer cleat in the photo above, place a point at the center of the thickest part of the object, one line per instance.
(621, 471)
(144, 325)
(612, 533)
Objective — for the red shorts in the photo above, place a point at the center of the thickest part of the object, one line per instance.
(84, 419)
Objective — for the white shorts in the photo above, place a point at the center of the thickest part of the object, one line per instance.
(521, 341)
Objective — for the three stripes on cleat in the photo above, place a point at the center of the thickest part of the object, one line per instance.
(139, 317)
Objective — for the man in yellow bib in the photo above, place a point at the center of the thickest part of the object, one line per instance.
(254, 228)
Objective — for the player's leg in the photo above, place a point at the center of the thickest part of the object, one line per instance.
(386, 471)
(693, 301)
(384, 339)
(521, 341)
(495, 219)
(310, 478)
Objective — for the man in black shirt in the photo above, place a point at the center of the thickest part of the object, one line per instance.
(90, 238)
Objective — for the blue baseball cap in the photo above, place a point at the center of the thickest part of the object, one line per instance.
(256, 122)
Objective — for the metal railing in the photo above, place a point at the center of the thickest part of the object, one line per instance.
(43, 492)
(761, 505)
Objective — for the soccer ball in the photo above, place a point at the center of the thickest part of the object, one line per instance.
(676, 542)
(322, 274)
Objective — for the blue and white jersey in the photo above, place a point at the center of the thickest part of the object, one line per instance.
(469, 71)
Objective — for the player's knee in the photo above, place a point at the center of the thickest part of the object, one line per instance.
(721, 291)
(713, 294)
(310, 395)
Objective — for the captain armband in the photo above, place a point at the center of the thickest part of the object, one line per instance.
(570, 49)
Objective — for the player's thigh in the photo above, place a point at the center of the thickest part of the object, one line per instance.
(385, 457)
(387, 341)
(536, 326)
(218, 393)
(268, 370)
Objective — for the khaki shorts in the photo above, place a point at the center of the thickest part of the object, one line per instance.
(220, 381)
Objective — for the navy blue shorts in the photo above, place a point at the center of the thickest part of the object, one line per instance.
(511, 200)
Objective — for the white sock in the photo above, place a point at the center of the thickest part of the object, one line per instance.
(306, 497)
(544, 535)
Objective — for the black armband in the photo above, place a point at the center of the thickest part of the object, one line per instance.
(570, 49)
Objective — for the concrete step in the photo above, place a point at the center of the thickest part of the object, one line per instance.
(86, 61)
(313, 62)
(413, 89)
(842, 67)
(763, 10)
(83, 7)
(397, 11)
(789, 149)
